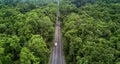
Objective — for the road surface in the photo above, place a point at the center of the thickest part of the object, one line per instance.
(56, 56)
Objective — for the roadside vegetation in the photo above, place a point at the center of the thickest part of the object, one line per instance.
(90, 31)
(26, 31)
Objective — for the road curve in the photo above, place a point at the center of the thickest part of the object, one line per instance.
(56, 56)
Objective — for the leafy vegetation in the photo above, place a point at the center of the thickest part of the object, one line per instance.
(91, 33)
(26, 31)
(90, 30)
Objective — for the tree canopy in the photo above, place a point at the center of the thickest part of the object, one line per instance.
(26, 32)
(90, 31)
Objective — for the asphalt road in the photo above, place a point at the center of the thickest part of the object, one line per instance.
(56, 56)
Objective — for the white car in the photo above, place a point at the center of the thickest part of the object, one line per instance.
(55, 43)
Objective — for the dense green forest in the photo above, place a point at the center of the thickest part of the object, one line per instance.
(26, 31)
(90, 31)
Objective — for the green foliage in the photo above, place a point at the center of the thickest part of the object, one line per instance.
(37, 45)
(35, 51)
(27, 57)
(79, 3)
(91, 34)
(9, 47)
(24, 32)
(51, 10)
(35, 2)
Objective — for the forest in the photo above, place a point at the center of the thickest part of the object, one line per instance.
(26, 32)
(90, 31)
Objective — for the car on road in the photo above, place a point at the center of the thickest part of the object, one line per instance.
(55, 43)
